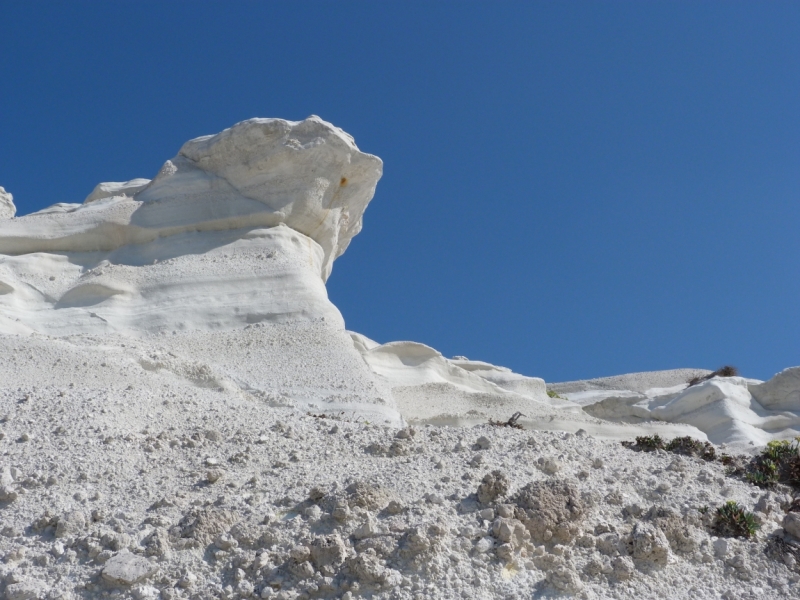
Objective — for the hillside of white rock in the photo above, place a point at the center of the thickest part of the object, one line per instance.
(184, 415)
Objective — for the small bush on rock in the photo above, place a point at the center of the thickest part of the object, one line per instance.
(779, 462)
(692, 447)
(763, 473)
(646, 443)
(726, 371)
(734, 521)
(779, 450)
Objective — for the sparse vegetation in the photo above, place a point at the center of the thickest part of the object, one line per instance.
(689, 446)
(335, 417)
(779, 462)
(734, 521)
(553, 394)
(646, 443)
(726, 371)
(779, 549)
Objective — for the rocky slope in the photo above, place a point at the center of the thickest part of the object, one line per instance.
(184, 415)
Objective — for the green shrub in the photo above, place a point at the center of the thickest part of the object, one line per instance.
(779, 462)
(734, 521)
(779, 450)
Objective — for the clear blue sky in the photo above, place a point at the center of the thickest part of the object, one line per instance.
(571, 189)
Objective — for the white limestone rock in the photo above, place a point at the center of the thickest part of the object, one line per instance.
(238, 228)
(782, 392)
(648, 543)
(126, 569)
(307, 174)
(7, 208)
(725, 410)
(111, 189)
(27, 589)
(742, 413)
(533, 387)
(430, 388)
(237, 234)
(791, 523)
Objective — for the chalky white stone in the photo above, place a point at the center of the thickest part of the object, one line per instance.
(7, 208)
(126, 569)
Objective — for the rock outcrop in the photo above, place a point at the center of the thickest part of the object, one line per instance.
(238, 228)
(744, 413)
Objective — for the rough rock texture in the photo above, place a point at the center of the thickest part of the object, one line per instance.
(302, 507)
(7, 208)
(648, 543)
(126, 569)
(112, 189)
(551, 510)
(791, 523)
(782, 392)
(493, 486)
(307, 174)
(239, 228)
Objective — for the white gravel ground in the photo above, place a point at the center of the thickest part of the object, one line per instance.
(121, 479)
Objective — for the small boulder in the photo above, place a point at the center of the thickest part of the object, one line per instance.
(623, 568)
(648, 543)
(27, 589)
(406, 433)
(329, 550)
(495, 485)
(564, 579)
(510, 531)
(551, 510)
(791, 523)
(70, 524)
(550, 466)
(721, 547)
(7, 493)
(126, 569)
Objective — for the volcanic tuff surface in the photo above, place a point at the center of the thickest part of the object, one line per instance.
(183, 414)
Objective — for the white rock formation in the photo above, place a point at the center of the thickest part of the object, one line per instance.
(184, 415)
(743, 413)
(241, 229)
(782, 392)
(7, 208)
(429, 388)
(111, 189)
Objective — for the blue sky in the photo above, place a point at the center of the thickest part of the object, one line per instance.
(571, 189)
